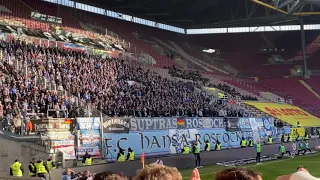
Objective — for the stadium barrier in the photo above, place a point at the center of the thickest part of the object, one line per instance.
(129, 168)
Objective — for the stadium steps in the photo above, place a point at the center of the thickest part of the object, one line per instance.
(185, 55)
(183, 62)
(306, 85)
(198, 61)
(197, 65)
(240, 90)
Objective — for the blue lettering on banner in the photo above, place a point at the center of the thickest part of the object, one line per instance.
(163, 142)
(226, 138)
(141, 124)
(88, 123)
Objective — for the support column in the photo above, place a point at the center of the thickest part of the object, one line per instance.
(303, 45)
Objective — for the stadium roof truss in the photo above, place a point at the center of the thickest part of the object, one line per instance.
(292, 7)
(208, 16)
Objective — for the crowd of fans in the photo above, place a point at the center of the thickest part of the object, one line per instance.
(189, 75)
(102, 82)
(199, 80)
(20, 92)
(233, 92)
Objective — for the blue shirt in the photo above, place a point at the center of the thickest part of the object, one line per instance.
(13, 91)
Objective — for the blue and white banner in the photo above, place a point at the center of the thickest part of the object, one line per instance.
(172, 141)
(74, 47)
(89, 137)
(88, 123)
(146, 124)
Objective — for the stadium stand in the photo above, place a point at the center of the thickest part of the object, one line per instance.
(141, 72)
(142, 44)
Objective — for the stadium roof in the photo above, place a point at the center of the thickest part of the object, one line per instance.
(215, 13)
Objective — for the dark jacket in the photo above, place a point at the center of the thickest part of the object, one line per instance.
(30, 168)
(128, 155)
(85, 157)
(120, 152)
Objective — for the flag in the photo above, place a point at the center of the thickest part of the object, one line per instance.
(180, 122)
(142, 160)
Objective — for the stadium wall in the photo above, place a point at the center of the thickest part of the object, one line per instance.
(16, 148)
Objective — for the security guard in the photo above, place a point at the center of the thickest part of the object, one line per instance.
(306, 136)
(196, 152)
(298, 124)
(243, 142)
(250, 142)
(121, 157)
(32, 168)
(185, 150)
(283, 150)
(87, 159)
(130, 155)
(50, 163)
(269, 139)
(16, 169)
(300, 148)
(42, 169)
(207, 147)
(218, 146)
(258, 151)
(307, 147)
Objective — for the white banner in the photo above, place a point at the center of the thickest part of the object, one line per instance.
(62, 143)
(68, 152)
(66, 135)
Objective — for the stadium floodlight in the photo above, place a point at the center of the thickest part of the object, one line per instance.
(209, 51)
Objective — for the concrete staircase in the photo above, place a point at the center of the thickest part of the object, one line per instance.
(201, 63)
(306, 85)
(190, 58)
(190, 62)
(241, 91)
